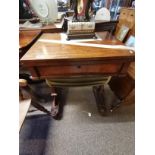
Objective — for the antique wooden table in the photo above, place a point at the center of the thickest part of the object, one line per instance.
(46, 59)
(49, 57)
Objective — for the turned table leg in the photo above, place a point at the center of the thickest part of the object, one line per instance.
(57, 103)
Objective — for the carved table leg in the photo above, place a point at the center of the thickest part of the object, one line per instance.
(99, 96)
(57, 103)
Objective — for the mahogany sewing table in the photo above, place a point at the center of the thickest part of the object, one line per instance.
(46, 59)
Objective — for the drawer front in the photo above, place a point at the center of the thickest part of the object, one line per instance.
(47, 71)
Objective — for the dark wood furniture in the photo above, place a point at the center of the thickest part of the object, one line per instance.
(124, 87)
(106, 26)
(46, 59)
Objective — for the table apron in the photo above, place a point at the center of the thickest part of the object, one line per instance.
(78, 69)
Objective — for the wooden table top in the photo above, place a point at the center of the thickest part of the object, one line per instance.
(27, 37)
(47, 51)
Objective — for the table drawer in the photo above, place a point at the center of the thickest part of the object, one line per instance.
(47, 71)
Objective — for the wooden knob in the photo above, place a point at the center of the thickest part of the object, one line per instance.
(22, 82)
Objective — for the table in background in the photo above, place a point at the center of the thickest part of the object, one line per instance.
(26, 40)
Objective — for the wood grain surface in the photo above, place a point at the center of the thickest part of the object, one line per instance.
(51, 51)
(46, 59)
(27, 37)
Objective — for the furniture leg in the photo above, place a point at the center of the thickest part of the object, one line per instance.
(40, 107)
(99, 96)
(58, 102)
(55, 103)
(34, 99)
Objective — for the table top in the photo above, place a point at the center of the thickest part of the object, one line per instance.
(49, 51)
(27, 37)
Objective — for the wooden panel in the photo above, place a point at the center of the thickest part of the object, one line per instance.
(48, 71)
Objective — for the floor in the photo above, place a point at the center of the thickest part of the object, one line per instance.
(82, 130)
